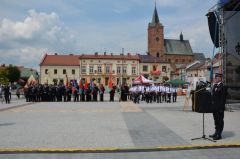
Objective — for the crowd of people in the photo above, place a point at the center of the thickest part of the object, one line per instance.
(59, 93)
(153, 93)
(91, 92)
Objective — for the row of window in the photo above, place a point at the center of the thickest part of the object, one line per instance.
(64, 71)
(91, 70)
(107, 69)
(145, 68)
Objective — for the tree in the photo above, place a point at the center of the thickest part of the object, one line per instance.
(13, 73)
(3, 77)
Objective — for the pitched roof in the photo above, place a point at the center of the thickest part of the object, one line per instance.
(178, 47)
(199, 56)
(111, 56)
(196, 66)
(150, 59)
(60, 60)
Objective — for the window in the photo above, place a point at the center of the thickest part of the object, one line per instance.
(176, 60)
(183, 60)
(145, 68)
(83, 69)
(125, 69)
(55, 71)
(190, 61)
(99, 69)
(154, 67)
(158, 54)
(46, 71)
(64, 71)
(164, 68)
(134, 70)
(73, 71)
(90, 69)
(107, 69)
(118, 69)
(118, 81)
(169, 60)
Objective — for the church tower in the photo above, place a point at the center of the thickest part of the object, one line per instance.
(155, 36)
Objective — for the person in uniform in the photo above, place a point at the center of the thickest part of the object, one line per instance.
(95, 92)
(168, 91)
(164, 93)
(174, 94)
(7, 94)
(112, 93)
(101, 92)
(158, 92)
(219, 94)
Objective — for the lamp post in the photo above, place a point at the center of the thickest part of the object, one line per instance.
(238, 48)
(122, 67)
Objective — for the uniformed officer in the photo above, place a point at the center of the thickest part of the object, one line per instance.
(95, 92)
(112, 93)
(7, 94)
(101, 92)
(174, 94)
(218, 102)
(168, 91)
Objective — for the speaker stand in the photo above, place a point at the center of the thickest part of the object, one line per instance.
(203, 135)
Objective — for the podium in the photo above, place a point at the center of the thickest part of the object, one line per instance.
(203, 104)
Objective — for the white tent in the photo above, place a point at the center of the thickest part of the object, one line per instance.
(141, 80)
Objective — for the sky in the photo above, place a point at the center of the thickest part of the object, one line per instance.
(31, 28)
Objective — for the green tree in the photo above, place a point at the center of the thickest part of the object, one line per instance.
(13, 73)
(3, 77)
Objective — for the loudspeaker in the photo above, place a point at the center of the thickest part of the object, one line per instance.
(213, 26)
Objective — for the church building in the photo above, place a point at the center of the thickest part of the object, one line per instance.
(177, 51)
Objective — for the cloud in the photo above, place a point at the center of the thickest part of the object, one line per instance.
(29, 39)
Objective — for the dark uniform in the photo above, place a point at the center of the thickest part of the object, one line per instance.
(95, 93)
(7, 94)
(101, 91)
(218, 103)
(112, 93)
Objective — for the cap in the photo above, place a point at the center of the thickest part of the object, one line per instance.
(218, 75)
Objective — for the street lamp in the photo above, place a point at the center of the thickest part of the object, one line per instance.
(238, 48)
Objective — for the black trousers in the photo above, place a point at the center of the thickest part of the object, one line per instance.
(101, 97)
(218, 117)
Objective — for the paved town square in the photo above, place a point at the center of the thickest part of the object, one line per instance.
(109, 125)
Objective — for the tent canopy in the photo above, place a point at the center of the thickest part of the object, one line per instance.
(177, 82)
(141, 79)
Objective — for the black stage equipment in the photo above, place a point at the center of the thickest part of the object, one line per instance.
(213, 28)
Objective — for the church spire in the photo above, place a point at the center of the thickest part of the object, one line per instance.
(155, 18)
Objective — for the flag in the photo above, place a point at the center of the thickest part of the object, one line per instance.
(110, 84)
(66, 81)
(86, 85)
(80, 84)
